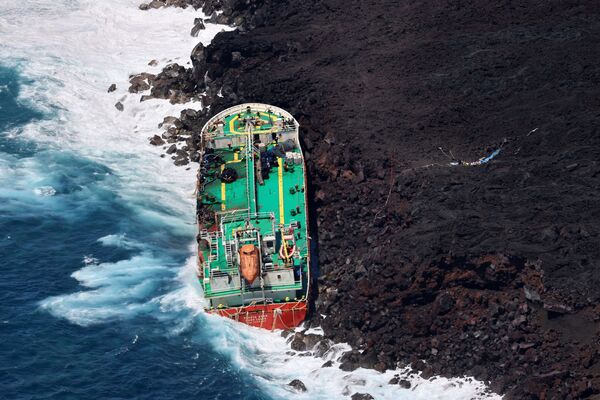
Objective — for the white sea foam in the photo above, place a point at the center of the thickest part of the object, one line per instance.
(45, 191)
(120, 240)
(72, 51)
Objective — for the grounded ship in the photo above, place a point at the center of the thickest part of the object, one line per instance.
(253, 243)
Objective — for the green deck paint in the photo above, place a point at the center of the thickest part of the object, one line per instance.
(282, 194)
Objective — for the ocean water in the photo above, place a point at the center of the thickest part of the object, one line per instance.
(98, 297)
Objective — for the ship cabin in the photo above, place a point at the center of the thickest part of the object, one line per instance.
(253, 244)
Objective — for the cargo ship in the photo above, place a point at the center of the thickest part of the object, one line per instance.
(253, 237)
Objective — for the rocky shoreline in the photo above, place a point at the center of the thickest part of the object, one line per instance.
(426, 257)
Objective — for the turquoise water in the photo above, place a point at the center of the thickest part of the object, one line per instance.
(60, 214)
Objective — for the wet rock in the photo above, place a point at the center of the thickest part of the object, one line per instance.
(298, 385)
(350, 361)
(198, 26)
(119, 106)
(156, 141)
(140, 82)
(174, 83)
(286, 333)
(321, 348)
(297, 343)
(199, 64)
(168, 122)
(396, 380)
(112, 88)
(362, 396)
(154, 4)
(404, 383)
(195, 157)
(172, 149)
(181, 161)
(327, 364)
(153, 63)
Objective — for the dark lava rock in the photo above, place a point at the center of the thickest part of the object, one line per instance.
(156, 141)
(140, 82)
(119, 106)
(327, 364)
(444, 303)
(321, 347)
(286, 333)
(297, 343)
(112, 88)
(362, 396)
(396, 380)
(298, 385)
(198, 26)
(195, 157)
(179, 161)
(446, 250)
(172, 149)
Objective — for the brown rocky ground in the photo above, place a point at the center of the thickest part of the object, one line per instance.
(487, 270)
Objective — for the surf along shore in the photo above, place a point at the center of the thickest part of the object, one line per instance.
(452, 155)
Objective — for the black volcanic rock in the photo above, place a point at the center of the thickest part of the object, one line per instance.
(198, 26)
(362, 396)
(487, 269)
(298, 385)
(156, 141)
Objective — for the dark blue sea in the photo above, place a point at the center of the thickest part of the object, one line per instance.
(54, 208)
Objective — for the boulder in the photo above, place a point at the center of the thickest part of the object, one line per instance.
(156, 4)
(298, 385)
(195, 157)
(199, 65)
(297, 343)
(156, 141)
(198, 26)
(362, 396)
(119, 106)
(181, 161)
(112, 88)
(140, 82)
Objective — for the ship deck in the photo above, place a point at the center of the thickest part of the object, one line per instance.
(278, 201)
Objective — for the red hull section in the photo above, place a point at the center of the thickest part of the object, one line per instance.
(267, 316)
